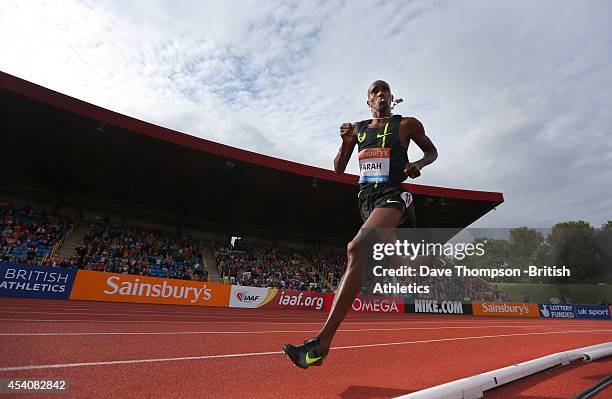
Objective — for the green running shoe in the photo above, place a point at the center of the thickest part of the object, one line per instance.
(306, 355)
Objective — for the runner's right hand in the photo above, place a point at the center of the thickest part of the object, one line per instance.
(348, 132)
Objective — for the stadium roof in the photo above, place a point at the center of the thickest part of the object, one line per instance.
(75, 150)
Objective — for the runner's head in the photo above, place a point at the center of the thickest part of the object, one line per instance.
(379, 96)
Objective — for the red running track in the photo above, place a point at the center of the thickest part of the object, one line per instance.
(144, 351)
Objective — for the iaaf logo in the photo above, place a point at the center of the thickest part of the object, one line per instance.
(243, 296)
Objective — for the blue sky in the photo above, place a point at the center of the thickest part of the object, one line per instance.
(517, 96)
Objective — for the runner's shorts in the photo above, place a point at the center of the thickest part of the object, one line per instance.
(383, 196)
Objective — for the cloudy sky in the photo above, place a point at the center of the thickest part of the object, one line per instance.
(517, 96)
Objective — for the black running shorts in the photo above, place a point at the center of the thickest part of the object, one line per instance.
(384, 196)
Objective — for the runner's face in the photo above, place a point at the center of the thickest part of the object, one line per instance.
(379, 96)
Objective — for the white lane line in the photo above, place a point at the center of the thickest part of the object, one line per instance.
(143, 308)
(157, 313)
(411, 322)
(314, 320)
(38, 308)
(186, 315)
(241, 315)
(197, 310)
(233, 355)
(225, 312)
(467, 338)
(350, 317)
(182, 322)
(85, 333)
(160, 314)
(192, 310)
(129, 307)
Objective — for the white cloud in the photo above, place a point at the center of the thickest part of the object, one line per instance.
(516, 96)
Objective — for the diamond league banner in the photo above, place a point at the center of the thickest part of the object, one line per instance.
(31, 281)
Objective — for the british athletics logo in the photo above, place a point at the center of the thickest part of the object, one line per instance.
(30, 281)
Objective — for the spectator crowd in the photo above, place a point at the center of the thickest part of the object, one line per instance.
(258, 265)
(29, 236)
(132, 250)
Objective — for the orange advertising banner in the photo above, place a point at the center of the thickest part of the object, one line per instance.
(100, 286)
(505, 309)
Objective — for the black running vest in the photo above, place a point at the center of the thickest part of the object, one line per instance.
(379, 138)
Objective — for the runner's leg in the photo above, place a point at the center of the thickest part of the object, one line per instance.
(357, 250)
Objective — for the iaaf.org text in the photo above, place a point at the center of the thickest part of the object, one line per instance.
(301, 300)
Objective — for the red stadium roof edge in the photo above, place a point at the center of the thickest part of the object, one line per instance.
(71, 104)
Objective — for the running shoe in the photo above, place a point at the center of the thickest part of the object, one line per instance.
(306, 355)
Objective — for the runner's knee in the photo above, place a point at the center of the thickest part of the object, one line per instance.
(355, 251)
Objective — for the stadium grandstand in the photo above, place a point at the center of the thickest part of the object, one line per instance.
(88, 188)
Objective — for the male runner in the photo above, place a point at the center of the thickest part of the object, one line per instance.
(383, 203)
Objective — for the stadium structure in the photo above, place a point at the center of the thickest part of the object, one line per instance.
(69, 157)
(70, 154)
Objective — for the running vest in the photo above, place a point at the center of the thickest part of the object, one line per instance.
(381, 156)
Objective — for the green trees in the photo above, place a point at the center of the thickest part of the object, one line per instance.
(585, 250)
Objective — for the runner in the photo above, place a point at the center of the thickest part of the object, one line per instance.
(383, 165)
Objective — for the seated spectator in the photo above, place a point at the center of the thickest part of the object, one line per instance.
(28, 235)
(132, 250)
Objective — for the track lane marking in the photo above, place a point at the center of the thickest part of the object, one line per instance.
(350, 317)
(279, 322)
(86, 333)
(269, 313)
(233, 355)
(157, 314)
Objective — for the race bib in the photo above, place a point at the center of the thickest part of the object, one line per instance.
(374, 165)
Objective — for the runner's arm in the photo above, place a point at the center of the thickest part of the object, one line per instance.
(349, 140)
(412, 129)
(417, 134)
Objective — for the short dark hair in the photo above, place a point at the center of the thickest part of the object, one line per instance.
(378, 83)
